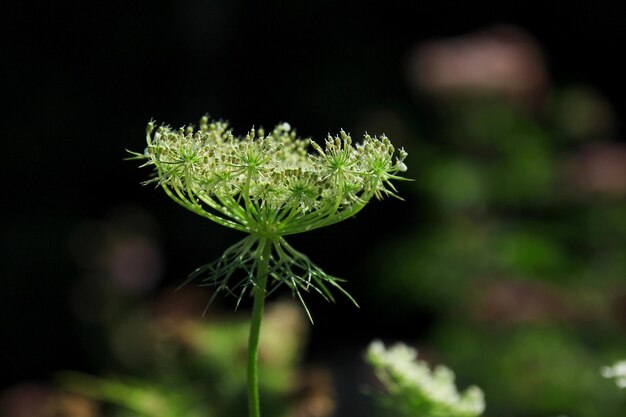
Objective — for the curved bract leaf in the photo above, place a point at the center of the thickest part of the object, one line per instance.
(235, 272)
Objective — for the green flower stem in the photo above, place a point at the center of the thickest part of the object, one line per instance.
(264, 250)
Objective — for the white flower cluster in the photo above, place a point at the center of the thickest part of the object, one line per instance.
(269, 184)
(415, 390)
(616, 372)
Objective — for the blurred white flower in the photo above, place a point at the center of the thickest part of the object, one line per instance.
(616, 372)
(416, 390)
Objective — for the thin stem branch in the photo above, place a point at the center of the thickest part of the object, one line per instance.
(263, 251)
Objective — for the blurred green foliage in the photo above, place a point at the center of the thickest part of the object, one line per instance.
(187, 366)
(519, 252)
(533, 370)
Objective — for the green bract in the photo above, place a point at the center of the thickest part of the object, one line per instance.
(269, 186)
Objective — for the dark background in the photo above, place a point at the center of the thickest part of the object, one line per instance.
(80, 81)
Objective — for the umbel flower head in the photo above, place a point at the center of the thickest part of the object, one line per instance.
(414, 390)
(269, 185)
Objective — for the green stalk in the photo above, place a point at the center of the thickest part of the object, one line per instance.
(264, 249)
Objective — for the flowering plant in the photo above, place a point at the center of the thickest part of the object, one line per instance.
(414, 390)
(269, 186)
